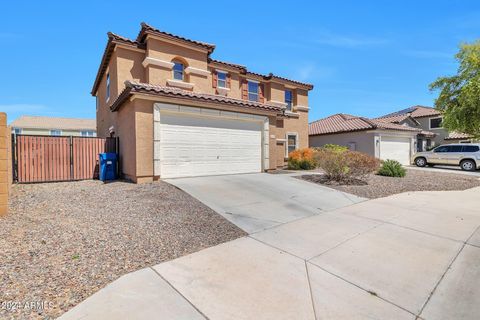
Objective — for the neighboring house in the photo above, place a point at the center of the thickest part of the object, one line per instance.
(178, 112)
(429, 120)
(50, 126)
(381, 139)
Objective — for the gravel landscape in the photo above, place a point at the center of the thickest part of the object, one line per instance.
(61, 242)
(377, 186)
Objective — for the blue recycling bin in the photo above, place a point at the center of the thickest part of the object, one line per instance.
(108, 166)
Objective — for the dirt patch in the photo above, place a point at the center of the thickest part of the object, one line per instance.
(62, 242)
(376, 186)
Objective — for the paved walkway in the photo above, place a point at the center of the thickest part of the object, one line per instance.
(402, 257)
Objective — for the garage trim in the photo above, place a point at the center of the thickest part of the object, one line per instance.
(159, 108)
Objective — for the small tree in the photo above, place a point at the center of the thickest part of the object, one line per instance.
(459, 97)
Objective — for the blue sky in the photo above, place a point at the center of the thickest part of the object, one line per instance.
(364, 57)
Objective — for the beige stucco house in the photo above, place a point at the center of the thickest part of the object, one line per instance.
(54, 126)
(381, 139)
(429, 120)
(178, 112)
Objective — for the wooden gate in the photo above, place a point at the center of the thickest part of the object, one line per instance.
(49, 159)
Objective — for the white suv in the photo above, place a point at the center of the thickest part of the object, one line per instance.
(465, 155)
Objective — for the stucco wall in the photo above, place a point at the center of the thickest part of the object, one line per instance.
(364, 141)
(441, 133)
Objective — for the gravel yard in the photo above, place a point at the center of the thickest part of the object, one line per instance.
(61, 242)
(415, 180)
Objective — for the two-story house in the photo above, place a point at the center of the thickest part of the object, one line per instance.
(429, 120)
(178, 112)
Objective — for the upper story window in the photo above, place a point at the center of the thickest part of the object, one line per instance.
(88, 133)
(107, 94)
(289, 99)
(435, 123)
(178, 71)
(55, 132)
(221, 79)
(253, 91)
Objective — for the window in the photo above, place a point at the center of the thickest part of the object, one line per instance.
(253, 91)
(88, 133)
(108, 87)
(221, 79)
(17, 131)
(178, 71)
(55, 132)
(435, 123)
(289, 99)
(471, 149)
(455, 149)
(291, 143)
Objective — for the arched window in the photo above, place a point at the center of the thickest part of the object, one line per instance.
(178, 71)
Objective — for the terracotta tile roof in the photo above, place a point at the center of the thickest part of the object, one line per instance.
(113, 39)
(148, 29)
(35, 122)
(456, 135)
(339, 123)
(415, 112)
(398, 118)
(132, 87)
(428, 133)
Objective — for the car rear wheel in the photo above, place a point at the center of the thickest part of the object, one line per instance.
(468, 165)
(421, 162)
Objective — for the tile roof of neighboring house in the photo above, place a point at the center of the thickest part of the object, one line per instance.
(398, 118)
(132, 87)
(456, 135)
(415, 112)
(148, 29)
(340, 122)
(37, 122)
(114, 39)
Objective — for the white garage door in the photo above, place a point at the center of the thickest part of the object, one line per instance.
(200, 146)
(395, 148)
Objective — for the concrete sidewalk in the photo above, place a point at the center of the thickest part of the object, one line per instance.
(408, 255)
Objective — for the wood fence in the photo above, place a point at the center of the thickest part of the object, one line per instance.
(49, 159)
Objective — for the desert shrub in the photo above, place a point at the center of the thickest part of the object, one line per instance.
(345, 166)
(335, 147)
(392, 168)
(301, 159)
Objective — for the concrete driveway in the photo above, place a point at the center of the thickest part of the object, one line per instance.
(408, 256)
(447, 169)
(256, 202)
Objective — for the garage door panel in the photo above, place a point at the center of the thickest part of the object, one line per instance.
(395, 148)
(194, 146)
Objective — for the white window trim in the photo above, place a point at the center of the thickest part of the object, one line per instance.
(218, 80)
(87, 131)
(286, 142)
(430, 123)
(291, 97)
(15, 129)
(257, 93)
(56, 135)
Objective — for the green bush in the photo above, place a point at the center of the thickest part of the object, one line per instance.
(335, 147)
(392, 168)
